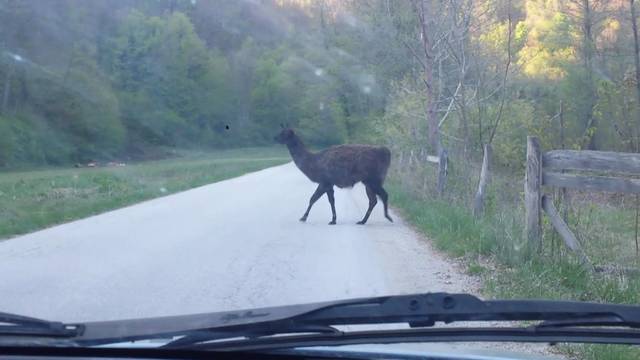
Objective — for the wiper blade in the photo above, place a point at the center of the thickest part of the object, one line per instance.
(204, 336)
(418, 311)
(18, 325)
(588, 321)
(428, 335)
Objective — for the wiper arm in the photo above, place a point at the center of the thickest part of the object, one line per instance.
(18, 325)
(420, 312)
(426, 310)
(204, 336)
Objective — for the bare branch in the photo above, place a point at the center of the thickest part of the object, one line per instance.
(455, 94)
(506, 74)
(414, 53)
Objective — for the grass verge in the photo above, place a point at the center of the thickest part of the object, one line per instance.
(497, 237)
(32, 200)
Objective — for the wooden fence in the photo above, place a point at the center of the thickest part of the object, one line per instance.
(443, 164)
(483, 183)
(562, 168)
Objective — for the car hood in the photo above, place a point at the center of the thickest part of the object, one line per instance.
(435, 351)
(432, 351)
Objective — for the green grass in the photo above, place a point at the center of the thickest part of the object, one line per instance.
(32, 200)
(605, 352)
(606, 231)
(453, 228)
(473, 268)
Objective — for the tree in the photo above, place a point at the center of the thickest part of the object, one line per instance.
(426, 16)
(636, 59)
(588, 15)
(272, 96)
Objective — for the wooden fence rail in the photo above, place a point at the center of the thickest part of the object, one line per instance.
(591, 183)
(538, 174)
(624, 163)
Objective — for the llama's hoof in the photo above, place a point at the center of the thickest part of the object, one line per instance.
(303, 219)
(389, 218)
(361, 222)
(333, 222)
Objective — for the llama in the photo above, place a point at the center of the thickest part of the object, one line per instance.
(342, 166)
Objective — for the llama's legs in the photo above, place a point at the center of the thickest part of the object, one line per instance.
(333, 204)
(316, 195)
(385, 198)
(372, 203)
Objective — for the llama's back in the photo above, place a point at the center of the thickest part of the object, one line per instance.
(345, 165)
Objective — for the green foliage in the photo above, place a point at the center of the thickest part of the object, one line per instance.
(549, 46)
(6, 141)
(322, 119)
(273, 96)
(110, 80)
(128, 77)
(402, 126)
(519, 120)
(617, 104)
(172, 87)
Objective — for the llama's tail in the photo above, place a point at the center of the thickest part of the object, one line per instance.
(385, 161)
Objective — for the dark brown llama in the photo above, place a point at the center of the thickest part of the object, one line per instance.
(342, 166)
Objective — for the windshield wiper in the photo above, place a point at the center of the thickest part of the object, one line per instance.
(315, 324)
(18, 325)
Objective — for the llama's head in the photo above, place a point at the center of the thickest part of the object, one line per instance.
(286, 136)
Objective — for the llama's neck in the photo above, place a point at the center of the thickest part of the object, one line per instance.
(301, 156)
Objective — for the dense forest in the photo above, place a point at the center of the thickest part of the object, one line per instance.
(107, 79)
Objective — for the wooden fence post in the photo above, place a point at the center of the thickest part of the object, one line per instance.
(532, 193)
(485, 176)
(443, 163)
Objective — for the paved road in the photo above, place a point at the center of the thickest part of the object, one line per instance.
(229, 245)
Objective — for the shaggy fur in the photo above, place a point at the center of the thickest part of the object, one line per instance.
(342, 166)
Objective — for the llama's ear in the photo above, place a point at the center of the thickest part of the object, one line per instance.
(281, 126)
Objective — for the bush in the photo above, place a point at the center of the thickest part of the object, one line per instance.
(6, 142)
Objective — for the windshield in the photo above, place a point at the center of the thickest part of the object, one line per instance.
(174, 157)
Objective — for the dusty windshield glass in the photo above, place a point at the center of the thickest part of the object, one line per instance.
(170, 157)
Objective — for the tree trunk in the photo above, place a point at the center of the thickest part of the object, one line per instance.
(465, 123)
(636, 56)
(323, 26)
(485, 178)
(564, 195)
(590, 119)
(533, 195)
(506, 74)
(428, 70)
